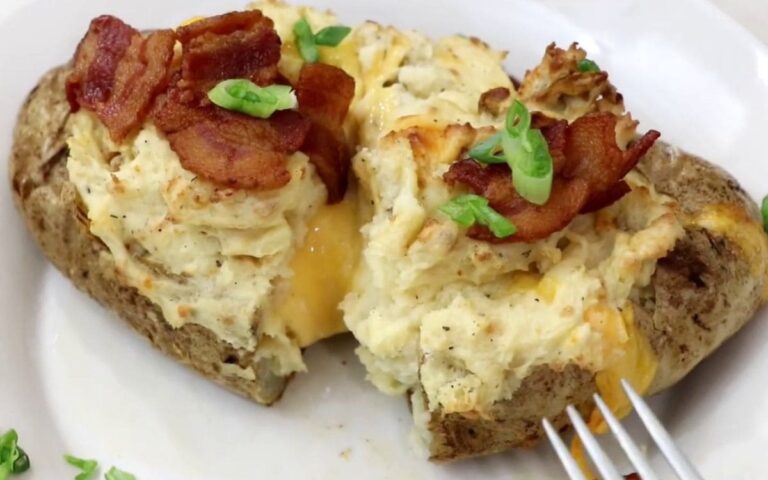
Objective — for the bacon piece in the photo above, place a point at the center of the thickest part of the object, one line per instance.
(228, 148)
(556, 136)
(325, 93)
(589, 168)
(117, 73)
(331, 159)
(233, 45)
(220, 153)
(600, 200)
(533, 222)
(593, 154)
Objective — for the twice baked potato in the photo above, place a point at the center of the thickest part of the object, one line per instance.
(487, 338)
(484, 337)
(221, 277)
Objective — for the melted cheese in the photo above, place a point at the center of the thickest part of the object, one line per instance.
(322, 274)
(637, 364)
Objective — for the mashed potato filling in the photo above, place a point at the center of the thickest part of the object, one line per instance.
(203, 254)
(464, 320)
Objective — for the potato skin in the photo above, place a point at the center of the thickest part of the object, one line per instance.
(514, 423)
(702, 293)
(709, 286)
(51, 208)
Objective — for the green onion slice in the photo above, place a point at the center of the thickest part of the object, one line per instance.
(524, 150)
(305, 40)
(765, 213)
(116, 474)
(588, 66)
(246, 97)
(518, 119)
(22, 463)
(87, 467)
(12, 458)
(466, 210)
(489, 150)
(531, 164)
(332, 36)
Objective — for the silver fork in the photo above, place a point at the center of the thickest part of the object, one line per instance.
(679, 463)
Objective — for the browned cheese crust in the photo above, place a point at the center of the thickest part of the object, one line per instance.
(53, 213)
(702, 293)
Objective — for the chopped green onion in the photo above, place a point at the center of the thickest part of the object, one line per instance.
(87, 467)
(524, 150)
(305, 40)
(588, 66)
(518, 120)
(246, 97)
(308, 41)
(115, 474)
(467, 210)
(765, 213)
(527, 154)
(332, 36)
(22, 463)
(489, 150)
(531, 164)
(12, 458)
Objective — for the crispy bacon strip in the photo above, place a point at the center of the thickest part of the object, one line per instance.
(589, 169)
(224, 147)
(533, 222)
(233, 45)
(228, 148)
(117, 73)
(238, 153)
(325, 93)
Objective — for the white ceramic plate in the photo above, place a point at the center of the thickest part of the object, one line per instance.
(75, 379)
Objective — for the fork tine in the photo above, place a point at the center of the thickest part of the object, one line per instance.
(674, 456)
(569, 463)
(629, 447)
(599, 458)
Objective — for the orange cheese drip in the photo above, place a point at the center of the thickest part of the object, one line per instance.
(322, 268)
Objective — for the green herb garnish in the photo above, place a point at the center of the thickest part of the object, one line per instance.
(532, 170)
(12, 458)
(115, 474)
(526, 152)
(307, 41)
(332, 36)
(87, 467)
(246, 97)
(466, 210)
(489, 150)
(22, 463)
(765, 213)
(588, 66)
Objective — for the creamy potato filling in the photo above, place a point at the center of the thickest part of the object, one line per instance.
(463, 319)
